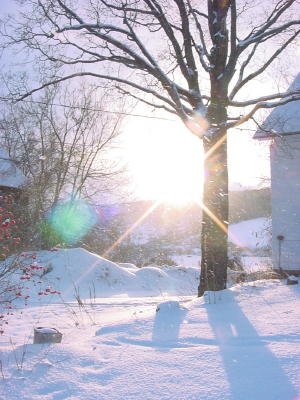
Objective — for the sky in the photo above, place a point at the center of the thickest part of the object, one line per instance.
(164, 157)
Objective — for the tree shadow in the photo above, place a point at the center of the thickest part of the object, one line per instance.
(168, 320)
(166, 328)
(252, 369)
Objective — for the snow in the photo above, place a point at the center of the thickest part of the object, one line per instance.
(256, 263)
(46, 330)
(251, 234)
(77, 273)
(219, 34)
(240, 343)
(293, 278)
(186, 260)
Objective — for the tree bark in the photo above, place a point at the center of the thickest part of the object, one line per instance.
(214, 238)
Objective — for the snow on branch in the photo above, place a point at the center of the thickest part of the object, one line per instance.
(267, 34)
(241, 82)
(264, 105)
(286, 96)
(125, 8)
(93, 26)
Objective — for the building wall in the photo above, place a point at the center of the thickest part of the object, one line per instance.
(285, 175)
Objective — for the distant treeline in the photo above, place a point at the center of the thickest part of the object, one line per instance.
(249, 204)
(243, 205)
(164, 231)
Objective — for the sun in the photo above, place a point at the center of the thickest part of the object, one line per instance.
(165, 161)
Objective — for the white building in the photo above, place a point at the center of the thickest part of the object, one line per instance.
(282, 128)
(11, 177)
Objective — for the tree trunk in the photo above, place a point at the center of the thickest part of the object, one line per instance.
(214, 239)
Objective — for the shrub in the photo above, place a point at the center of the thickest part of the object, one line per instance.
(15, 270)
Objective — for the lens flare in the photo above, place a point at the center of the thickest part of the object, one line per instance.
(72, 219)
(117, 242)
(198, 125)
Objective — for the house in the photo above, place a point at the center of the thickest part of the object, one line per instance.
(282, 129)
(11, 177)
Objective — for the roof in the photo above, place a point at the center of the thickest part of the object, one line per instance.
(10, 174)
(283, 120)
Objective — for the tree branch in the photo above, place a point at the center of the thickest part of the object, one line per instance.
(256, 73)
(263, 105)
(265, 98)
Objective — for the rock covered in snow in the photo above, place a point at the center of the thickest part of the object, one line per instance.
(46, 335)
(292, 280)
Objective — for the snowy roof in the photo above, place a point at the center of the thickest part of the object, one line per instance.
(10, 175)
(283, 120)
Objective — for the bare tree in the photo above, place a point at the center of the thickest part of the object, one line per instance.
(183, 56)
(63, 151)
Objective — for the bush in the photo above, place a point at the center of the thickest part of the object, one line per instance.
(15, 270)
(49, 237)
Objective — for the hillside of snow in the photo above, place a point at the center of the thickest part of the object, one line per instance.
(252, 234)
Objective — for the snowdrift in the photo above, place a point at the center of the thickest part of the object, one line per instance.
(80, 275)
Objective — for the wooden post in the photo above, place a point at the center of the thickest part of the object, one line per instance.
(280, 239)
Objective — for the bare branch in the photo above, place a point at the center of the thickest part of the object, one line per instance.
(256, 73)
(188, 47)
(149, 103)
(280, 7)
(264, 35)
(285, 95)
(265, 105)
(166, 26)
(106, 77)
(233, 42)
(124, 8)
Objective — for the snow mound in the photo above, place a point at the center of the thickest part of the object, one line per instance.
(169, 316)
(168, 306)
(77, 273)
(147, 273)
(80, 275)
(127, 266)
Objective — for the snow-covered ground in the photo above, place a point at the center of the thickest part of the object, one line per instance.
(252, 234)
(152, 342)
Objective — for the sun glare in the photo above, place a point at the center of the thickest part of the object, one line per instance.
(165, 162)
